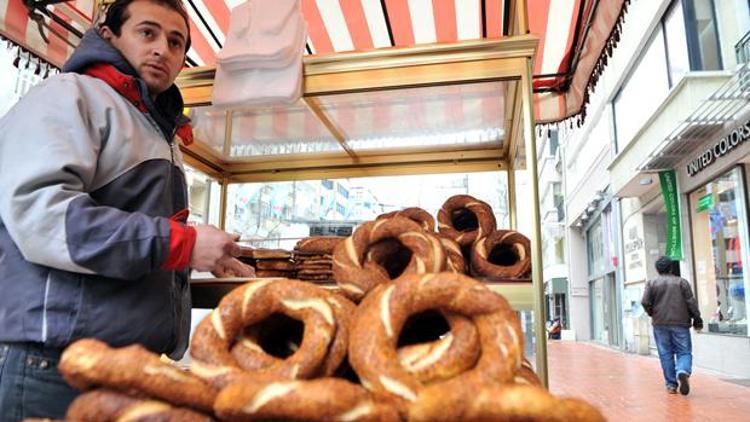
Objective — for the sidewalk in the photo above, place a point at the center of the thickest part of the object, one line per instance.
(630, 387)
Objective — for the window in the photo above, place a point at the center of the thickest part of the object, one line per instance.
(203, 194)
(649, 76)
(558, 200)
(719, 229)
(277, 214)
(676, 43)
(342, 191)
(560, 250)
(733, 23)
(554, 142)
(703, 39)
(595, 248)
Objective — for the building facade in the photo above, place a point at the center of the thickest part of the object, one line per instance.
(552, 207)
(673, 98)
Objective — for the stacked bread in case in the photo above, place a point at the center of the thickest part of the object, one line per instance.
(349, 357)
(269, 262)
(311, 260)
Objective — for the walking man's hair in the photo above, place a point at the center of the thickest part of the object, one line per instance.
(664, 265)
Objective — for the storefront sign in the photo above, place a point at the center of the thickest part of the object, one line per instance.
(737, 136)
(705, 202)
(635, 249)
(669, 192)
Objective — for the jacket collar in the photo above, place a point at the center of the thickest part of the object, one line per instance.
(98, 58)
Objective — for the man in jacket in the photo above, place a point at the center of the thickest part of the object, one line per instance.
(670, 303)
(93, 234)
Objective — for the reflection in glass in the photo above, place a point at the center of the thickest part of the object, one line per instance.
(278, 214)
(426, 116)
(450, 117)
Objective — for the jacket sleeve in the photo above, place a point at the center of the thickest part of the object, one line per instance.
(49, 146)
(692, 304)
(648, 299)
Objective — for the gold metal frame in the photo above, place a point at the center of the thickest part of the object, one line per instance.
(508, 59)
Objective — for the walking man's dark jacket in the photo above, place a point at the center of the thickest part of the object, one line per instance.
(668, 300)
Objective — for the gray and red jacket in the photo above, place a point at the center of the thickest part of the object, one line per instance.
(93, 241)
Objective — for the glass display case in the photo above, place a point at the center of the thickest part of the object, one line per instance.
(462, 108)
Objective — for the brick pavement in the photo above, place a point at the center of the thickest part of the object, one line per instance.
(630, 387)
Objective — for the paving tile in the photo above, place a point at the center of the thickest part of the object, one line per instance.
(630, 387)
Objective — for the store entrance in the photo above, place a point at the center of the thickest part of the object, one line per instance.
(604, 310)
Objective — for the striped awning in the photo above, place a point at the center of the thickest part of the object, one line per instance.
(41, 34)
(575, 35)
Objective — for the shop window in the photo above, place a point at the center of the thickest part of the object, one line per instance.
(595, 248)
(560, 304)
(308, 206)
(719, 234)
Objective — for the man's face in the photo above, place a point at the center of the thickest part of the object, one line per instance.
(152, 39)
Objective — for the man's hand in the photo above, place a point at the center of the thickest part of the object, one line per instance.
(697, 325)
(232, 267)
(212, 246)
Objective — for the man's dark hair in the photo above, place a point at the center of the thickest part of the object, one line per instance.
(117, 14)
(664, 265)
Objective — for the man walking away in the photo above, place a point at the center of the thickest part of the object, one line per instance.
(670, 303)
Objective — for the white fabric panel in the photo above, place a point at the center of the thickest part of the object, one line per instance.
(376, 23)
(423, 21)
(468, 15)
(559, 20)
(333, 18)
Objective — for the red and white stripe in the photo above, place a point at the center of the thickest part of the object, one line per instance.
(356, 25)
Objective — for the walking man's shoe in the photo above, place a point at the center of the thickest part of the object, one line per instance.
(672, 390)
(682, 377)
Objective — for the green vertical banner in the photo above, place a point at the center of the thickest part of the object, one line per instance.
(668, 184)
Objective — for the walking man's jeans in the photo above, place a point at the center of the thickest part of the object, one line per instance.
(674, 342)
(30, 385)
